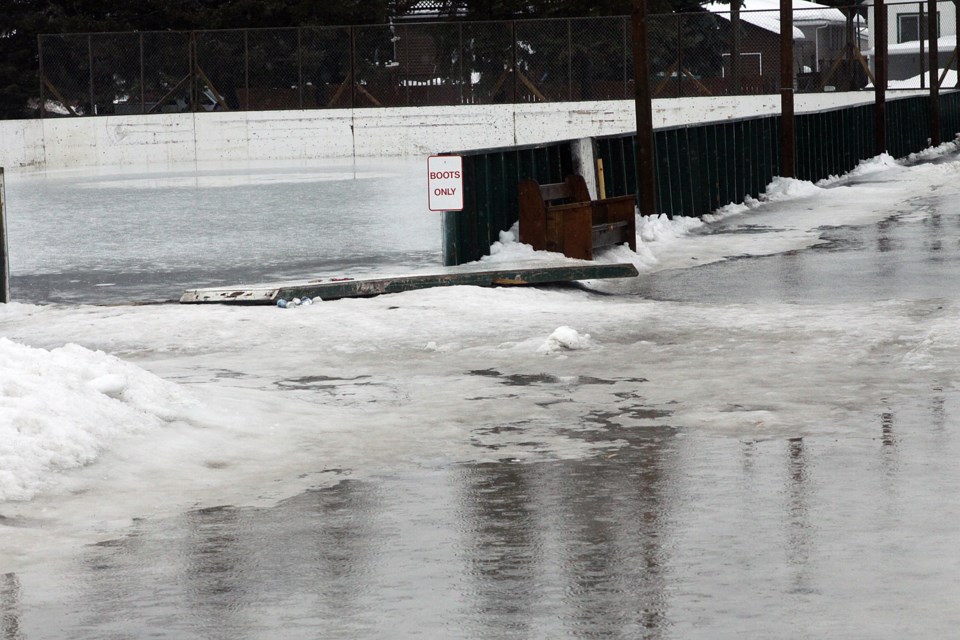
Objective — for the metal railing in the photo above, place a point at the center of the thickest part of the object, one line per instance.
(459, 63)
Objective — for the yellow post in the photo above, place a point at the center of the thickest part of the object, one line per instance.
(602, 186)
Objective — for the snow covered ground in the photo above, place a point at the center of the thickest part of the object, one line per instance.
(118, 414)
(129, 400)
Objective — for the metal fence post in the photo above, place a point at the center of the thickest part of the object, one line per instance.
(43, 99)
(4, 259)
(513, 63)
(92, 111)
(353, 67)
(300, 66)
(626, 52)
(679, 60)
(192, 55)
(851, 46)
(143, 79)
(569, 60)
(246, 69)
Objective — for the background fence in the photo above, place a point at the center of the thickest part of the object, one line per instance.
(456, 63)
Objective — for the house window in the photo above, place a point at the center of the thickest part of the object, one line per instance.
(909, 28)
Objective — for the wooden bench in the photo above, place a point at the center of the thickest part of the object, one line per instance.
(561, 217)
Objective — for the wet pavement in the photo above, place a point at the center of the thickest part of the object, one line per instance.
(845, 528)
(897, 258)
(672, 535)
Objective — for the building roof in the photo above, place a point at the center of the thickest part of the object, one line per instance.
(765, 14)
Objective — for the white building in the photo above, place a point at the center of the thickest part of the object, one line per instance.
(906, 23)
(819, 37)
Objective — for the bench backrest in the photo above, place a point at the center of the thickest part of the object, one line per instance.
(535, 199)
(572, 189)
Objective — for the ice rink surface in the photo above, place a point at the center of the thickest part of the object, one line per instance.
(115, 235)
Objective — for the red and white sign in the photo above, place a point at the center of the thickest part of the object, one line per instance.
(445, 183)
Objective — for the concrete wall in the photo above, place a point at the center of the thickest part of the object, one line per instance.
(162, 139)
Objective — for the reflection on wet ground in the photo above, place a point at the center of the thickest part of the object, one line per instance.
(897, 258)
(668, 534)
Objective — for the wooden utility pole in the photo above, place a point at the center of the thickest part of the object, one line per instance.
(646, 183)
(880, 77)
(788, 138)
(934, 32)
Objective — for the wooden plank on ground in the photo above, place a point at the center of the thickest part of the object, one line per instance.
(335, 288)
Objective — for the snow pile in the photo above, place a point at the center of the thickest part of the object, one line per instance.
(933, 153)
(661, 229)
(727, 211)
(653, 234)
(508, 249)
(781, 189)
(879, 163)
(60, 409)
(565, 339)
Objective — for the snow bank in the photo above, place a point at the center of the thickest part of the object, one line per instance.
(656, 234)
(60, 409)
(781, 189)
(653, 234)
(933, 153)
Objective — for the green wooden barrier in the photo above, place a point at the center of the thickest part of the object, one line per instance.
(832, 142)
(949, 116)
(908, 129)
(698, 168)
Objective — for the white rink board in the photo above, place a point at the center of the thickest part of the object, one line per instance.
(162, 139)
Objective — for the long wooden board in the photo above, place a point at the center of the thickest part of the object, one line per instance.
(334, 288)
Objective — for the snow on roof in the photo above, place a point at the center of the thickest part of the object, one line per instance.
(765, 14)
(944, 44)
(920, 81)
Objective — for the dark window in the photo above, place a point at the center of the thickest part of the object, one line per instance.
(908, 26)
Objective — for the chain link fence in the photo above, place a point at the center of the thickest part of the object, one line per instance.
(708, 53)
